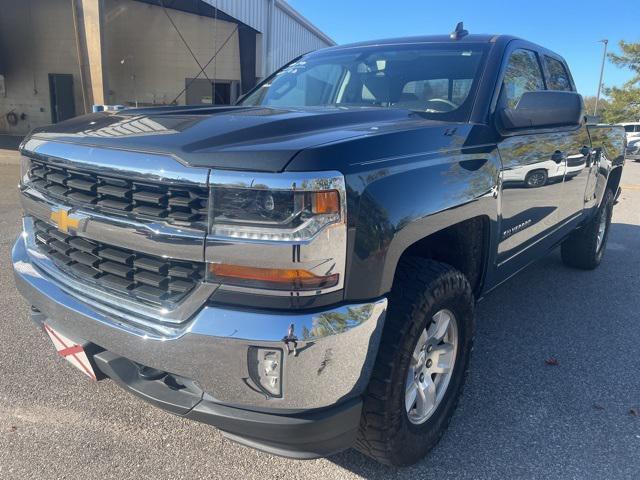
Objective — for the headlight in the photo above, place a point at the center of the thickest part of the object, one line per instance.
(265, 214)
(283, 232)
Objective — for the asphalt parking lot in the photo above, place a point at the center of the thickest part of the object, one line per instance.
(519, 417)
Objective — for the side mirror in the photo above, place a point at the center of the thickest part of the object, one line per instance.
(543, 109)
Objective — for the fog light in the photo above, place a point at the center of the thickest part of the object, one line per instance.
(265, 368)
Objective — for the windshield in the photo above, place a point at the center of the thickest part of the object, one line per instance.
(437, 79)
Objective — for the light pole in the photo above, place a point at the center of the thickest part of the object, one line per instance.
(604, 56)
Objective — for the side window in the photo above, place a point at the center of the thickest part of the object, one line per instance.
(558, 77)
(522, 75)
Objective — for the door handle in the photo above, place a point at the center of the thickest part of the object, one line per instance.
(586, 152)
(557, 156)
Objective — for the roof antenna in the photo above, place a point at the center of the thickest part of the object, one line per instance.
(459, 32)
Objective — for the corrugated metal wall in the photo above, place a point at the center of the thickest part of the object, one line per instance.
(291, 34)
(250, 12)
(290, 39)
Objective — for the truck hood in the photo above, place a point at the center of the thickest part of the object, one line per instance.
(239, 138)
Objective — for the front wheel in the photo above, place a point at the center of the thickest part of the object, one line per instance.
(585, 247)
(421, 365)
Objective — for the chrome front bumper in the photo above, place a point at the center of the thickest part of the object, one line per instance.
(336, 349)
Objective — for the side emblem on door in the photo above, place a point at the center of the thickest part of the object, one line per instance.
(518, 228)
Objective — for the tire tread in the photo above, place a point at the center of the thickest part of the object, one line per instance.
(579, 250)
(418, 284)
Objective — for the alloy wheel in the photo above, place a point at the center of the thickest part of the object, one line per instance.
(431, 367)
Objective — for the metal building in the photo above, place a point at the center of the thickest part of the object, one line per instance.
(285, 33)
(58, 58)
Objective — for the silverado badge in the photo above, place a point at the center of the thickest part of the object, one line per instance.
(64, 221)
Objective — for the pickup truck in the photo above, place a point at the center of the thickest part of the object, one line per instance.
(300, 270)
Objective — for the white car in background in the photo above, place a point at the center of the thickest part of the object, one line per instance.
(533, 175)
(633, 148)
(632, 129)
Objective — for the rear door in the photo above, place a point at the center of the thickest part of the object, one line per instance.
(577, 188)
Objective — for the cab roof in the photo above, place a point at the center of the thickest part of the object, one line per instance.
(471, 38)
(500, 41)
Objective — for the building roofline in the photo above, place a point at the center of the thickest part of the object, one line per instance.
(298, 17)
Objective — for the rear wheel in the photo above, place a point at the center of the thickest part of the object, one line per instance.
(421, 365)
(585, 247)
(537, 178)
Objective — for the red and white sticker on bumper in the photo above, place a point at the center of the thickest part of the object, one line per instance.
(71, 351)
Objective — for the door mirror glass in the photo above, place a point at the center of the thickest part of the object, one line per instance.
(542, 109)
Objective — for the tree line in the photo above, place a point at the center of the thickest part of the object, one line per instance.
(620, 104)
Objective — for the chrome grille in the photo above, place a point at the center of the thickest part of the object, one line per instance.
(121, 196)
(152, 279)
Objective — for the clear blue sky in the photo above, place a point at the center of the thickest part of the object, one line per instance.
(571, 28)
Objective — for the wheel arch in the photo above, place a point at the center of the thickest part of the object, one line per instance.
(613, 181)
(464, 245)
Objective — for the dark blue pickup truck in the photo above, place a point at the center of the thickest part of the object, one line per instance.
(300, 270)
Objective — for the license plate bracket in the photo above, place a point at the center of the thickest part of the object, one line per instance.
(77, 353)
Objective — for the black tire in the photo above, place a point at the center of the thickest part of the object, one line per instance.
(580, 249)
(536, 178)
(421, 288)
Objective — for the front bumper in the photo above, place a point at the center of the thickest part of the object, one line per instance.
(321, 382)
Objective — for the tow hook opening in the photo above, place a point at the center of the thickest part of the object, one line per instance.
(174, 382)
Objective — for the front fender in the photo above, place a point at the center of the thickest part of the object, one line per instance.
(402, 201)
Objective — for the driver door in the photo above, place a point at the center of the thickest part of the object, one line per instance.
(534, 166)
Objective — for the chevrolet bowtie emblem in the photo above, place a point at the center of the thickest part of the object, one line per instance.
(64, 221)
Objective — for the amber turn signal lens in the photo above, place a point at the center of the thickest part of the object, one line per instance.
(273, 278)
(326, 202)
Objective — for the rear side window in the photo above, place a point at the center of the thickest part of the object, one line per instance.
(522, 75)
(558, 78)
